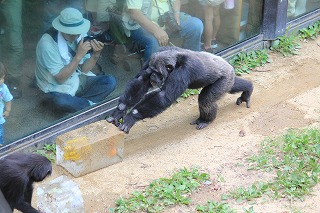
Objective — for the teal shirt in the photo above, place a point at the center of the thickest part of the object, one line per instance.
(5, 96)
(48, 64)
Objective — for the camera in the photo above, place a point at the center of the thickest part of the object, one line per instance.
(167, 19)
(104, 37)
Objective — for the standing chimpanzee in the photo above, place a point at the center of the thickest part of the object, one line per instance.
(18, 171)
(173, 70)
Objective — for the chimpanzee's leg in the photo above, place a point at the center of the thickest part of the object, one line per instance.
(244, 86)
(207, 101)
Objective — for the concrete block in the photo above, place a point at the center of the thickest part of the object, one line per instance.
(90, 148)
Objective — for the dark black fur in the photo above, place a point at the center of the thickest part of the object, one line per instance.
(173, 70)
(18, 171)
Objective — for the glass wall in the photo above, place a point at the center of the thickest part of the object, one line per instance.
(297, 8)
(23, 23)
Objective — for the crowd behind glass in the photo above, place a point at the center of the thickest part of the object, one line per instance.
(131, 31)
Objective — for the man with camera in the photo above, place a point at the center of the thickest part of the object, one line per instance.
(64, 61)
(151, 23)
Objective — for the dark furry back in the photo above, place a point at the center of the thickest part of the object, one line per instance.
(35, 166)
(18, 171)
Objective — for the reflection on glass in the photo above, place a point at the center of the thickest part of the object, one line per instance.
(298, 8)
(123, 52)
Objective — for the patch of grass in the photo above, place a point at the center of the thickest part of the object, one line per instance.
(311, 32)
(48, 151)
(190, 92)
(252, 192)
(163, 192)
(295, 160)
(287, 44)
(215, 207)
(246, 62)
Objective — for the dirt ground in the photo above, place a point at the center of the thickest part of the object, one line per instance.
(286, 95)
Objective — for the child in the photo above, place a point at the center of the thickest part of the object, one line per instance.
(5, 101)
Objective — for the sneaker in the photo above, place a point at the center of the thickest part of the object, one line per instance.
(15, 92)
(214, 44)
(209, 50)
(1, 31)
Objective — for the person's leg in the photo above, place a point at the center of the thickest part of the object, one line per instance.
(97, 88)
(191, 31)
(291, 8)
(208, 27)
(1, 135)
(216, 25)
(12, 12)
(66, 103)
(147, 40)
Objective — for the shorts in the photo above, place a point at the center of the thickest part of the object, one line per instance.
(210, 2)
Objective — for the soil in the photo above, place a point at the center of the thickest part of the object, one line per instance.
(286, 95)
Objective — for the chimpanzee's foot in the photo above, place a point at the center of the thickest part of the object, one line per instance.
(200, 123)
(245, 97)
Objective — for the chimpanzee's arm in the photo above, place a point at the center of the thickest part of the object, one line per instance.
(157, 103)
(133, 93)
(19, 191)
(25, 207)
(28, 192)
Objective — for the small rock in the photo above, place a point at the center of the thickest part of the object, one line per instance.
(242, 133)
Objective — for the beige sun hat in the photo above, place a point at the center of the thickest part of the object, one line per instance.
(71, 21)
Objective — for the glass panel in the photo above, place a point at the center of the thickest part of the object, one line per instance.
(298, 8)
(239, 19)
(24, 22)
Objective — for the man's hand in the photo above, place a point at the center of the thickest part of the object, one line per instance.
(6, 114)
(83, 48)
(96, 46)
(161, 36)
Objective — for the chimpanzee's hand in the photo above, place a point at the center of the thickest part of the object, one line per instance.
(128, 121)
(117, 114)
(116, 117)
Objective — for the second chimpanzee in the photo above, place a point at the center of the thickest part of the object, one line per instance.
(18, 172)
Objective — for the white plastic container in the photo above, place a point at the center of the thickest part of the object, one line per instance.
(60, 195)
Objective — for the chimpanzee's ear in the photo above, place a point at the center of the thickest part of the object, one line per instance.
(181, 59)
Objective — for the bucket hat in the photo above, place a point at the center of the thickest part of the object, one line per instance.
(71, 21)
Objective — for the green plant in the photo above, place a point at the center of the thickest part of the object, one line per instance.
(245, 62)
(190, 92)
(287, 44)
(215, 207)
(250, 210)
(253, 191)
(311, 32)
(163, 192)
(295, 160)
(48, 151)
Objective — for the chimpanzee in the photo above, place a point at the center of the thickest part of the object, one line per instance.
(18, 172)
(172, 70)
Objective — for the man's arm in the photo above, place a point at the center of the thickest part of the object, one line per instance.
(70, 68)
(148, 25)
(89, 64)
(176, 8)
(7, 111)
